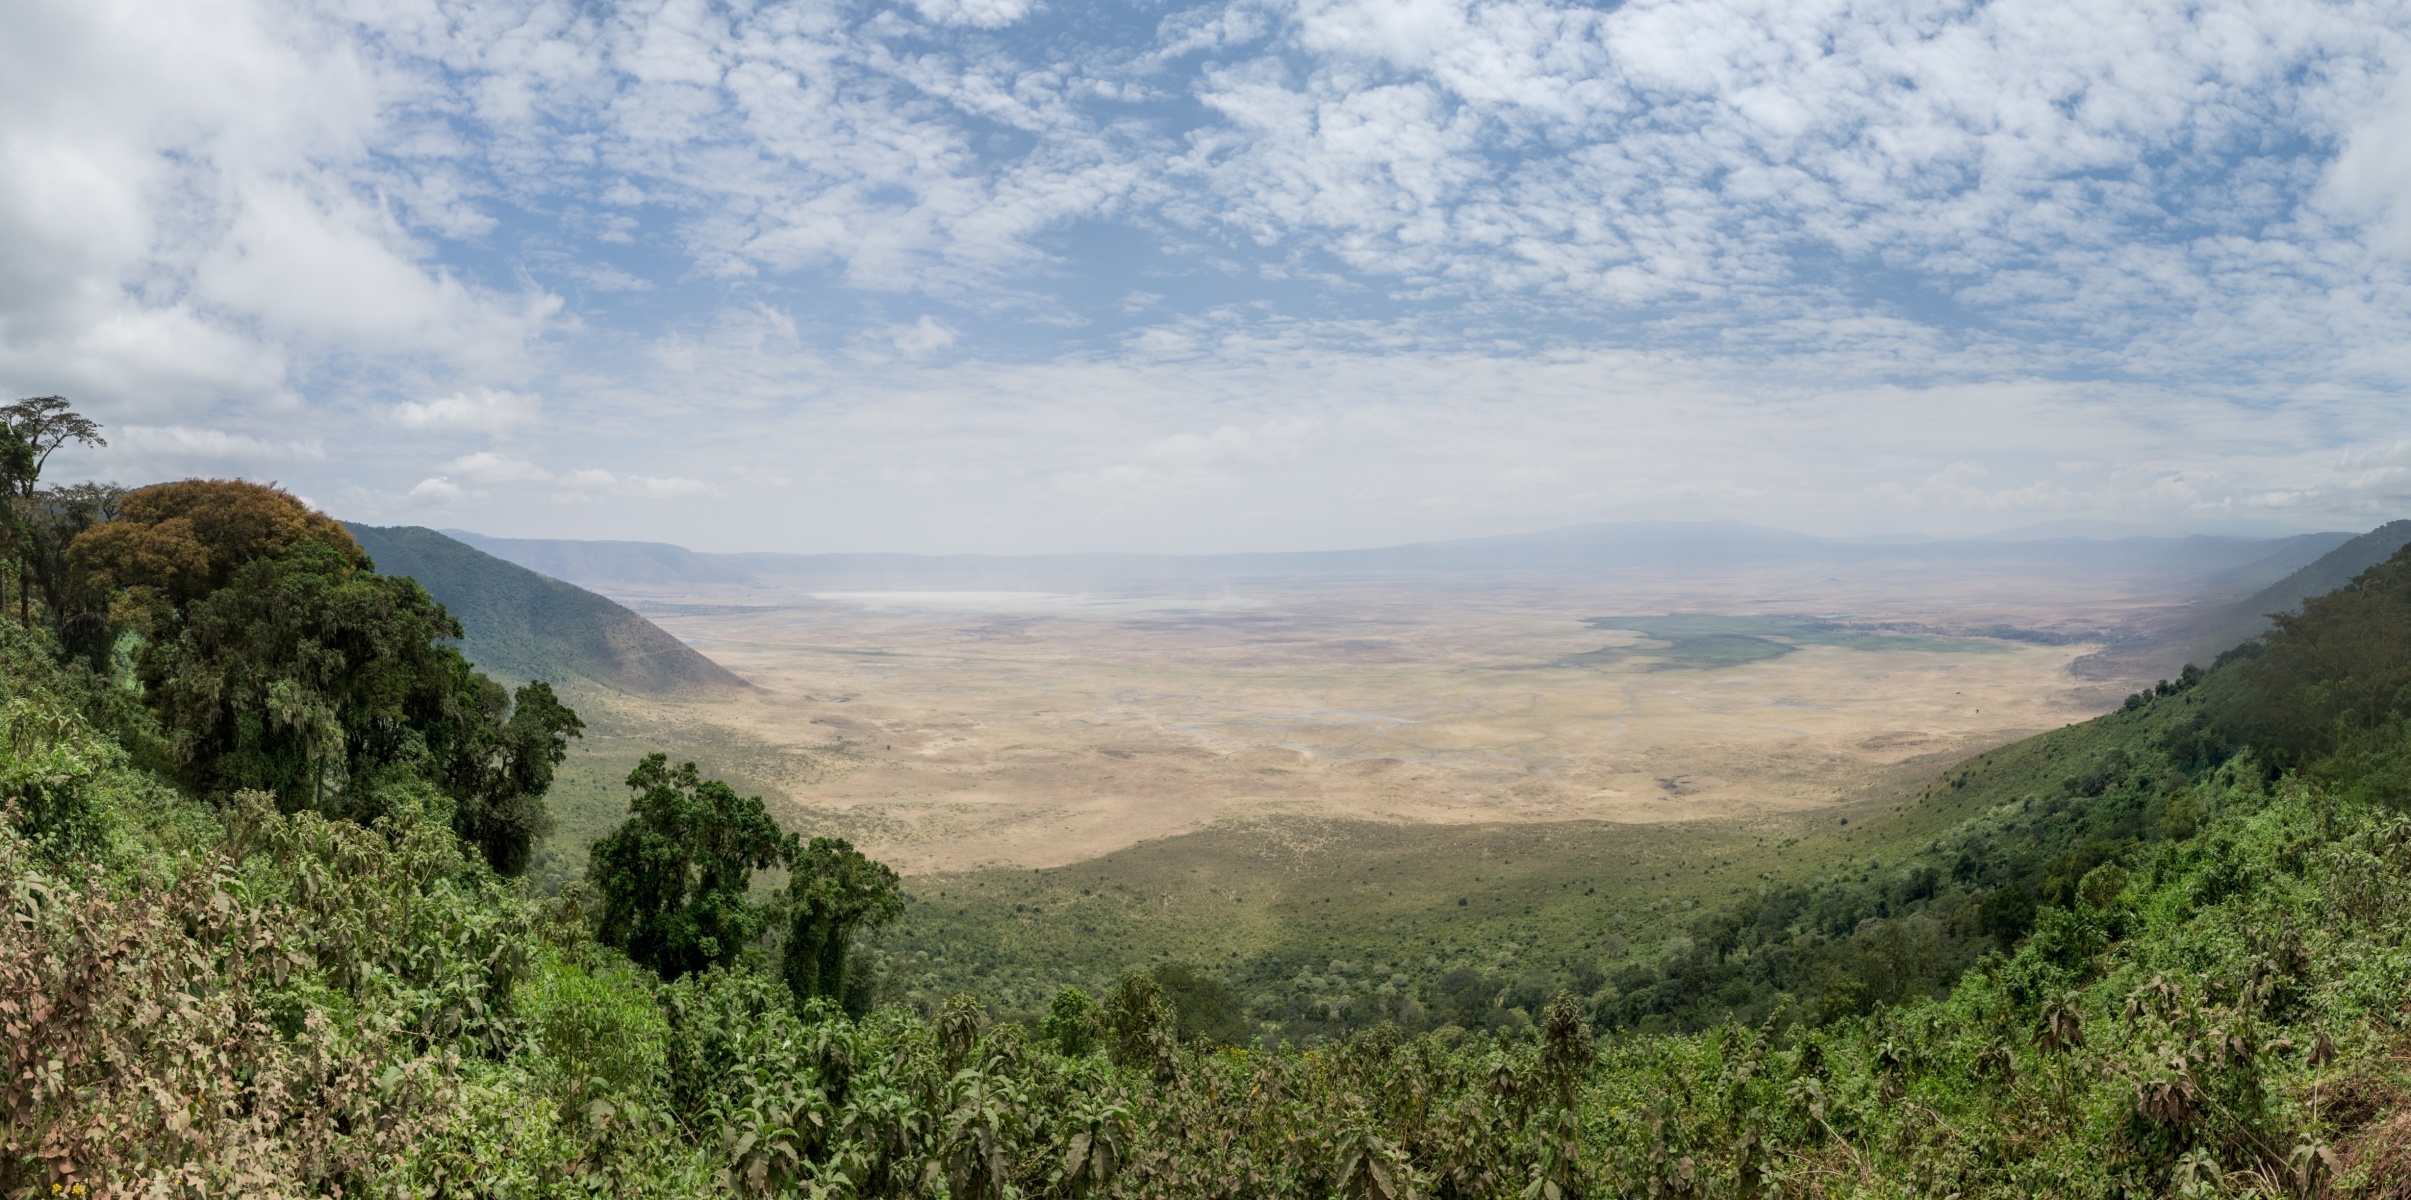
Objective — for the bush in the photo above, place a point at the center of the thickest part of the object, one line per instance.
(1071, 1023)
(596, 1026)
(50, 775)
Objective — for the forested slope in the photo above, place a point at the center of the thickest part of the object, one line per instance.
(522, 625)
(2246, 619)
(2165, 952)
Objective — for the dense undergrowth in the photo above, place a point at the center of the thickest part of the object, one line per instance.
(2165, 952)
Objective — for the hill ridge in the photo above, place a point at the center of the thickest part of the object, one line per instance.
(524, 624)
(2246, 619)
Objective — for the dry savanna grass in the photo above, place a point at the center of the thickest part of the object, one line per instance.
(947, 731)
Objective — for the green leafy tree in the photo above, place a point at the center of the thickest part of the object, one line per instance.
(33, 429)
(1205, 1011)
(311, 678)
(1140, 1026)
(48, 523)
(498, 788)
(162, 547)
(675, 874)
(834, 894)
(302, 675)
(1071, 1022)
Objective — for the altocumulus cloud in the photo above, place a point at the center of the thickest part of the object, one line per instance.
(1007, 274)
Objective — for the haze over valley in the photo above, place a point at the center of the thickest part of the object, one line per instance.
(957, 713)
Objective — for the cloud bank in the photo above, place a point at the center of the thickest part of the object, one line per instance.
(1009, 274)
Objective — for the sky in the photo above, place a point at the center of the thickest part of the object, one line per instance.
(1061, 275)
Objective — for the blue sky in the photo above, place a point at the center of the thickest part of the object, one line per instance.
(1019, 275)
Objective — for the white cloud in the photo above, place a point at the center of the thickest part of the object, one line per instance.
(1273, 441)
(1821, 263)
(2371, 179)
(485, 466)
(437, 490)
(185, 446)
(1191, 462)
(1529, 477)
(480, 410)
(923, 338)
(979, 14)
(659, 487)
(491, 468)
(191, 209)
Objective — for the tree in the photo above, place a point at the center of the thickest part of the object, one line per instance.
(675, 874)
(31, 430)
(171, 544)
(834, 893)
(47, 525)
(1071, 1022)
(1204, 1010)
(1139, 1024)
(328, 685)
(499, 796)
(301, 675)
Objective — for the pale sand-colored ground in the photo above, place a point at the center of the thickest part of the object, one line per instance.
(949, 730)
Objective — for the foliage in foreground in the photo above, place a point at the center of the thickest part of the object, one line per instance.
(292, 1004)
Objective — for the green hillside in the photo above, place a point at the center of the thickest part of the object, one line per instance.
(522, 625)
(2248, 618)
(2159, 953)
(1656, 926)
(269, 933)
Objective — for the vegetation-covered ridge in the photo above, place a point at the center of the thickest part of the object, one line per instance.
(522, 625)
(1831, 922)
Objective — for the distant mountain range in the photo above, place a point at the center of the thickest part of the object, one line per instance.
(522, 625)
(2221, 564)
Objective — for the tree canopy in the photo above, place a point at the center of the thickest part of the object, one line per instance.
(173, 543)
(329, 686)
(834, 892)
(675, 875)
(40, 522)
(31, 430)
(276, 659)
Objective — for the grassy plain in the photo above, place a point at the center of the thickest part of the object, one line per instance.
(952, 731)
(1280, 774)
